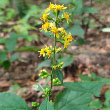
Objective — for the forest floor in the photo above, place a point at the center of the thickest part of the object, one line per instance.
(93, 57)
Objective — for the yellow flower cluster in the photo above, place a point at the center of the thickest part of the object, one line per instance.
(51, 24)
(55, 7)
(67, 39)
(46, 51)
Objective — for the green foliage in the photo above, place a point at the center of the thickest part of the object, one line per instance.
(46, 63)
(72, 100)
(107, 99)
(78, 12)
(68, 60)
(95, 104)
(93, 88)
(106, 2)
(10, 101)
(76, 30)
(46, 105)
(59, 74)
(3, 3)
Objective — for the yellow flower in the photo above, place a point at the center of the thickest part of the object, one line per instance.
(69, 37)
(54, 67)
(44, 18)
(66, 16)
(45, 26)
(51, 24)
(42, 52)
(66, 44)
(62, 31)
(48, 52)
(47, 48)
(66, 38)
(51, 6)
(55, 31)
(59, 7)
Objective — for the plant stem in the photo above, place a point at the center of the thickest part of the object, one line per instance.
(54, 53)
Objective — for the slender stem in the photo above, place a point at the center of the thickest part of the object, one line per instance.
(54, 53)
(54, 58)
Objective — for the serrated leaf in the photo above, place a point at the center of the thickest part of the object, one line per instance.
(72, 100)
(86, 87)
(76, 30)
(45, 63)
(46, 105)
(10, 101)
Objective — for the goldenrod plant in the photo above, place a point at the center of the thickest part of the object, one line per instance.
(52, 17)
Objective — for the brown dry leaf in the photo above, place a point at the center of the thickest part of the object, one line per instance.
(4, 85)
(104, 89)
(69, 79)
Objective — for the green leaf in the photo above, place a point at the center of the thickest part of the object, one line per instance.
(107, 98)
(46, 105)
(72, 100)
(59, 74)
(93, 76)
(89, 10)
(14, 57)
(67, 60)
(3, 57)
(11, 42)
(2, 40)
(84, 77)
(76, 30)
(95, 104)
(3, 3)
(28, 48)
(6, 64)
(38, 87)
(79, 41)
(85, 87)
(45, 63)
(106, 108)
(10, 101)
(78, 3)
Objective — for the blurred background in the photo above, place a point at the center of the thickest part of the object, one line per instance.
(86, 58)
